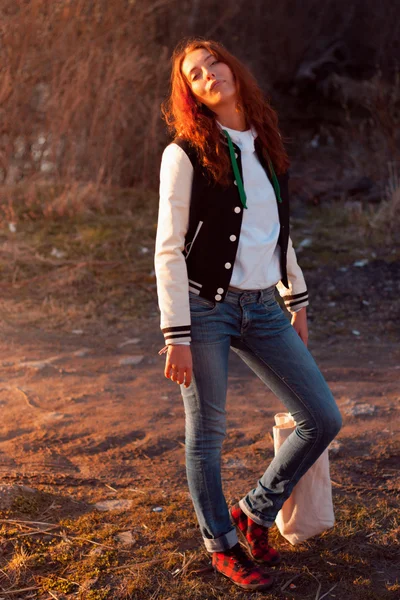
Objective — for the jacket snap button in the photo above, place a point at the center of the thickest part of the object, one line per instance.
(228, 265)
(237, 209)
(236, 154)
(218, 297)
(220, 290)
(232, 238)
(235, 182)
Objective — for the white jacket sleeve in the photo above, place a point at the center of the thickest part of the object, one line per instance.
(176, 176)
(296, 297)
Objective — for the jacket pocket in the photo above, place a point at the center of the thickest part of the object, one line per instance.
(189, 246)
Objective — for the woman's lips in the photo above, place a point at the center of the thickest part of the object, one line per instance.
(214, 84)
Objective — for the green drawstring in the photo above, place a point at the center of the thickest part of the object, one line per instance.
(236, 172)
(238, 179)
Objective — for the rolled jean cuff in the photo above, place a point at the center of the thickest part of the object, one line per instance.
(257, 518)
(223, 542)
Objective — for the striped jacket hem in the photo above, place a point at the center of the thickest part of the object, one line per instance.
(177, 335)
(295, 302)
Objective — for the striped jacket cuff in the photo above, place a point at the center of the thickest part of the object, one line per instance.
(176, 335)
(295, 302)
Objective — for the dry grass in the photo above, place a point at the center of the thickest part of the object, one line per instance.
(71, 255)
(387, 215)
(82, 81)
(81, 88)
(96, 258)
(53, 549)
(79, 555)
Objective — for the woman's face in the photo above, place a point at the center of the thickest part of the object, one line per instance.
(211, 81)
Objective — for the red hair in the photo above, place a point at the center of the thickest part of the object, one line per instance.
(197, 124)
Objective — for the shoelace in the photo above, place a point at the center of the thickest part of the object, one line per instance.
(240, 559)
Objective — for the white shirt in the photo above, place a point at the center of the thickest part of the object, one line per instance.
(257, 263)
(252, 271)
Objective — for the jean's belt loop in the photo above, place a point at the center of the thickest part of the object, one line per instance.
(268, 293)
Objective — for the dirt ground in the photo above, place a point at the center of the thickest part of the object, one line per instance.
(72, 409)
(88, 417)
(78, 422)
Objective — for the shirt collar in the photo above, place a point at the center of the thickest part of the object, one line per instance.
(243, 139)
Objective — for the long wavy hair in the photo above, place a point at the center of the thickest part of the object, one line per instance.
(195, 122)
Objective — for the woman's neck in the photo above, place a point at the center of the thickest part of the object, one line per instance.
(232, 118)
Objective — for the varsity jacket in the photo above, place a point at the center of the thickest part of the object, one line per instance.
(196, 245)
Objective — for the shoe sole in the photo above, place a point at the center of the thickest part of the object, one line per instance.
(248, 588)
(270, 563)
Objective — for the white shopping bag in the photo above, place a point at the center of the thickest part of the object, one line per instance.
(309, 509)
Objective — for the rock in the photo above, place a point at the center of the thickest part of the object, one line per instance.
(361, 263)
(12, 227)
(52, 416)
(360, 409)
(77, 331)
(82, 352)
(8, 493)
(87, 584)
(106, 505)
(57, 253)
(131, 360)
(125, 538)
(335, 447)
(355, 332)
(35, 364)
(158, 509)
(131, 341)
(306, 243)
(233, 463)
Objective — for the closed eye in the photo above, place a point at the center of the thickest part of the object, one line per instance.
(195, 76)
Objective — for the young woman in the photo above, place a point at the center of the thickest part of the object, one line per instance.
(222, 248)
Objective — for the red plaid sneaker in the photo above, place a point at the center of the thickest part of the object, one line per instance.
(237, 566)
(255, 537)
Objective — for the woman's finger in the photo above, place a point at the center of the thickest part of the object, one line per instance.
(169, 369)
(180, 376)
(188, 377)
(174, 372)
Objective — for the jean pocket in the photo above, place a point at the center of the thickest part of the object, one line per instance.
(270, 302)
(201, 306)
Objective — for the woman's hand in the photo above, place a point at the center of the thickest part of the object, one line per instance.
(178, 364)
(299, 322)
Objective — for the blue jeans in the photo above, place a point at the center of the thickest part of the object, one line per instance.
(255, 327)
